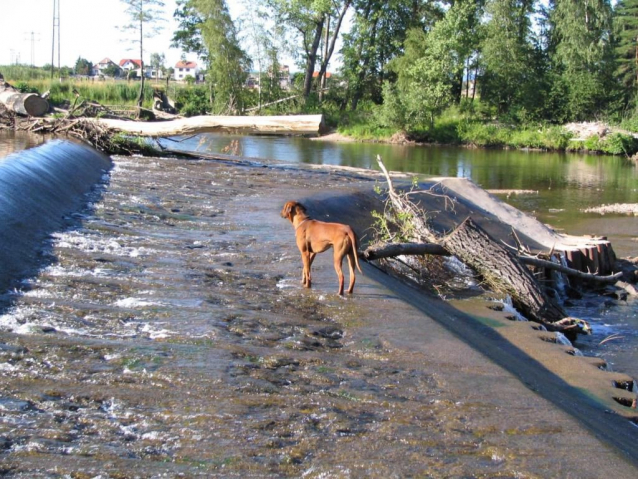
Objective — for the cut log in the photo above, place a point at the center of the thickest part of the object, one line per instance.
(259, 125)
(503, 271)
(27, 104)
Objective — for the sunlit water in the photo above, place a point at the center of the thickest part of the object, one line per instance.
(165, 320)
(566, 184)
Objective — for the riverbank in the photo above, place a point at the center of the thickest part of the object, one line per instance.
(585, 137)
(171, 336)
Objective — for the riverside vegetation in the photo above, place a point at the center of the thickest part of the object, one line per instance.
(483, 73)
(465, 124)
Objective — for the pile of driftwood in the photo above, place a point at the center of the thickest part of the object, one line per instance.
(499, 267)
(118, 131)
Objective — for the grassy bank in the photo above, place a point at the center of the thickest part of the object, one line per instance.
(454, 128)
(119, 93)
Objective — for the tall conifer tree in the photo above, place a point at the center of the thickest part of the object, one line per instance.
(626, 28)
(581, 36)
(507, 54)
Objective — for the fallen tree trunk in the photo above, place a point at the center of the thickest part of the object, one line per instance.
(500, 268)
(259, 125)
(27, 104)
(399, 249)
(502, 271)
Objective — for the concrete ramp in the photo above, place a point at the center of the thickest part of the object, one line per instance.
(592, 254)
(38, 187)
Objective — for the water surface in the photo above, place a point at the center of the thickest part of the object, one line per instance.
(566, 183)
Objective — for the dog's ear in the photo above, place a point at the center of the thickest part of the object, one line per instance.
(300, 207)
(286, 212)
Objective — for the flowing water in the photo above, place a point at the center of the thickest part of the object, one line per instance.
(166, 336)
(565, 184)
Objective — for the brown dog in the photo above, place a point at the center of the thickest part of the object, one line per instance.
(316, 237)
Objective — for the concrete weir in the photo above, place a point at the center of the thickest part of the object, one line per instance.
(37, 188)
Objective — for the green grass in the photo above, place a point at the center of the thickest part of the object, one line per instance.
(454, 127)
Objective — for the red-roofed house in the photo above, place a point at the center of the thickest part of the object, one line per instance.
(184, 69)
(129, 64)
(98, 68)
(316, 74)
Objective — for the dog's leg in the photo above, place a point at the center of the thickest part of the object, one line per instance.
(307, 262)
(351, 263)
(338, 259)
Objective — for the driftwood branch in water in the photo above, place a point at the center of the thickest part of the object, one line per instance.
(417, 249)
(400, 249)
(401, 203)
(541, 263)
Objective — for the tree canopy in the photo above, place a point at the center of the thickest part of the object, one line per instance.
(409, 60)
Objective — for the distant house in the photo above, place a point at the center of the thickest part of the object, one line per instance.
(252, 81)
(284, 77)
(316, 75)
(129, 64)
(185, 69)
(99, 68)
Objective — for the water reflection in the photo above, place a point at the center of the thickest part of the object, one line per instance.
(11, 142)
(566, 183)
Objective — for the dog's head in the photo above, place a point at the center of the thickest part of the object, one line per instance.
(292, 208)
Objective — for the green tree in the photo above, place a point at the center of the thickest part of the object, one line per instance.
(82, 66)
(626, 48)
(112, 70)
(377, 35)
(273, 90)
(261, 42)
(145, 17)
(581, 39)
(312, 20)
(507, 55)
(188, 37)
(429, 71)
(227, 62)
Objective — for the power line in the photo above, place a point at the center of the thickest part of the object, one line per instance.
(56, 25)
(33, 40)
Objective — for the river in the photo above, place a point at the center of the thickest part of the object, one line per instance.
(565, 184)
(166, 335)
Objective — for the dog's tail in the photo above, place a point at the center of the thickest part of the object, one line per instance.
(355, 248)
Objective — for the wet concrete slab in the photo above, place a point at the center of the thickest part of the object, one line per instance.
(169, 334)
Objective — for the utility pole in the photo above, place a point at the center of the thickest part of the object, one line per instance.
(33, 40)
(56, 24)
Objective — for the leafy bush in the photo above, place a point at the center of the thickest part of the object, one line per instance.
(192, 101)
(618, 144)
(24, 87)
(556, 138)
